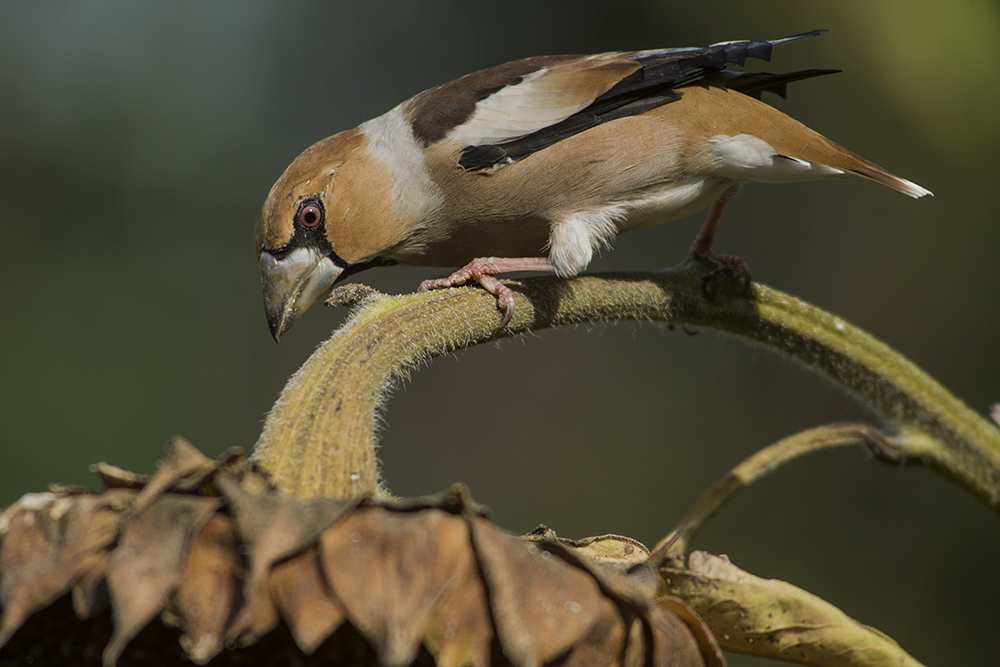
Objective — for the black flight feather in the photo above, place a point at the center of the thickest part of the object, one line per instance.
(651, 86)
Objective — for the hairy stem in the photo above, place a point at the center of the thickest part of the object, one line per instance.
(319, 436)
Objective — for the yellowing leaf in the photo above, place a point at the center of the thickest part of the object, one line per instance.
(774, 619)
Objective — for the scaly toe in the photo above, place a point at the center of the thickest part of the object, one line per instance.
(505, 302)
(438, 283)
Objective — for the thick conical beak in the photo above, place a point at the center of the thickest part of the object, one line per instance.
(293, 284)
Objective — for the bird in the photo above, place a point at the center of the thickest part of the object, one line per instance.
(535, 165)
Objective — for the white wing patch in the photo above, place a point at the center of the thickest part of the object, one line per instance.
(744, 157)
(514, 111)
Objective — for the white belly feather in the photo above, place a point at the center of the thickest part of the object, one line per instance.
(576, 237)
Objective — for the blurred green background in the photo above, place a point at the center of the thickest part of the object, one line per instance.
(138, 140)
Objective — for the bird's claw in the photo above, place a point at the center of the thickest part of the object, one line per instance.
(727, 265)
(478, 273)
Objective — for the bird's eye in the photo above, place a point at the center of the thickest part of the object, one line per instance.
(310, 216)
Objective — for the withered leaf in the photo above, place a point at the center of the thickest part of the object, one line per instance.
(676, 633)
(394, 582)
(774, 619)
(90, 594)
(630, 584)
(460, 631)
(457, 500)
(603, 645)
(390, 568)
(113, 477)
(277, 526)
(612, 549)
(673, 643)
(274, 527)
(305, 600)
(676, 640)
(710, 648)
(541, 605)
(257, 617)
(617, 551)
(50, 542)
(147, 566)
(209, 590)
(183, 468)
(637, 648)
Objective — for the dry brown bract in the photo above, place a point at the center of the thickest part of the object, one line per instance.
(239, 574)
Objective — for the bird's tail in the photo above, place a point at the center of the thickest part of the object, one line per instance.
(873, 172)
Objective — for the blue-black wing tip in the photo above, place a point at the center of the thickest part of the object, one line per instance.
(795, 38)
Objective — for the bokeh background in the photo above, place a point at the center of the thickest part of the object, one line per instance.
(138, 140)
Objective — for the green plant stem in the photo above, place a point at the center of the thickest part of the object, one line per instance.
(769, 459)
(319, 437)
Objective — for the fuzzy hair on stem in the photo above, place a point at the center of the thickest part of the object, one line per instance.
(319, 437)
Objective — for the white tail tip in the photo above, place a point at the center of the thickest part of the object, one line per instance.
(912, 189)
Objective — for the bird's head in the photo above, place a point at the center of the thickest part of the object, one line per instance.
(316, 226)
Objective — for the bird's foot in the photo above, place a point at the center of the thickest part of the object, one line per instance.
(729, 266)
(483, 271)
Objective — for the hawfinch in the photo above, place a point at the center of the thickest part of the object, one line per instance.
(534, 165)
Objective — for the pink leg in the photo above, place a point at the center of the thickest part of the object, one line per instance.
(483, 270)
(702, 245)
